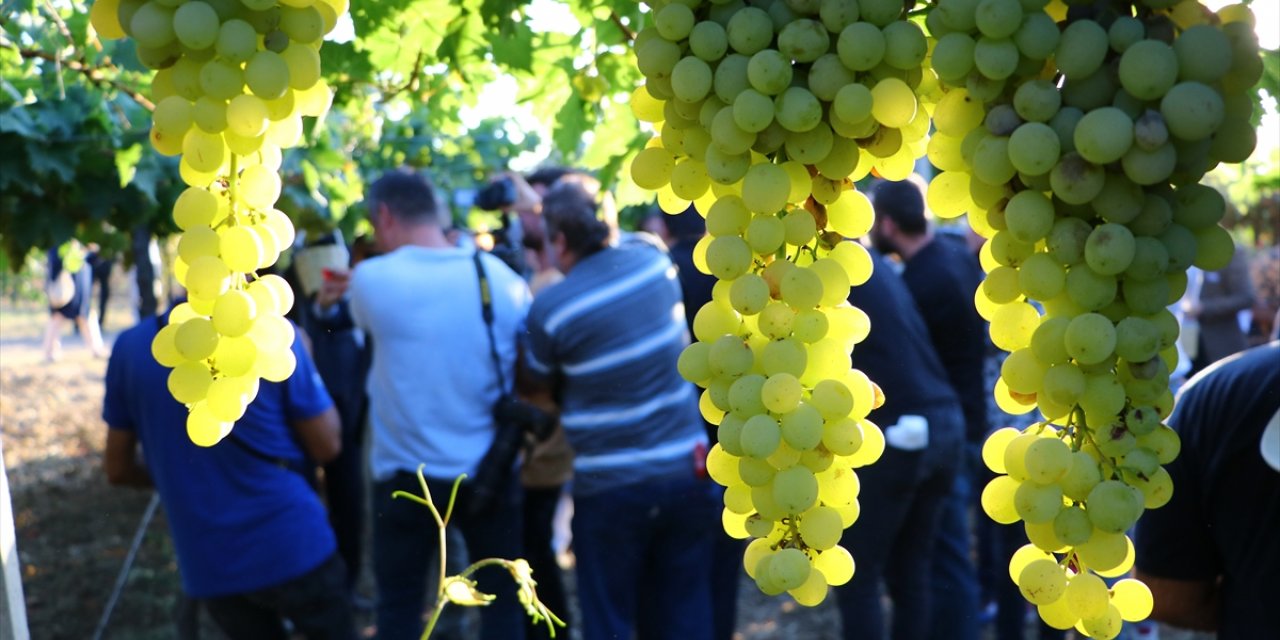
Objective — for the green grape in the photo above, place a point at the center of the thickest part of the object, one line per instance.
(259, 187)
(708, 41)
(651, 168)
(905, 45)
(852, 215)
(754, 471)
(1137, 340)
(1042, 581)
(195, 25)
(810, 326)
(1198, 206)
(1103, 135)
(796, 109)
(802, 427)
(195, 208)
(729, 138)
(1192, 111)
(1047, 460)
(795, 489)
(769, 72)
(1124, 32)
(226, 399)
(1081, 48)
(995, 59)
(991, 162)
(731, 77)
(1082, 477)
(277, 366)
(737, 499)
(674, 21)
(1036, 503)
(1008, 251)
(204, 428)
(749, 294)
(753, 111)
(760, 436)
(204, 152)
(235, 356)
(1076, 180)
(1132, 599)
(745, 398)
(1029, 216)
(1042, 535)
(729, 216)
(953, 56)
(781, 395)
(689, 179)
(240, 249)
(1072, 526)
(1148, 69)
(1013, 324)
(301, 24)
(788, 568)
(1180, 243)
(196, 339)
(799, 227)
(1203, 54)
(803, 40)
(151, 25)
(1148, 167)
(997, 500)
(820, 528)
(853, 102)
(210, 114)
(197, 242)
(1022, 372)
(1087, 596)
(998, 18)
(1110, 249)
(1113, 506)
(246, 115)
(1034, 148)
(1091, 92)
(691, 79)
(776, 319)
(303, 63)
(1041, 277)
(801, 288)
(233, 313)
(207, 277)
(1090, 338)
(267, 75)
(749, 30)
(1214, 248)
(861, 46)
(784, 356)
(1038, 36)
(766, 233)
(893, 103)
(1164, 442)
(1104, 627)
(1064, 383)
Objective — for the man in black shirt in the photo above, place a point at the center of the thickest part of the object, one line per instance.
(942, 276)
(907, 488)
(1212, 554)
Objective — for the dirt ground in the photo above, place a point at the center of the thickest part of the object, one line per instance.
(74, 531)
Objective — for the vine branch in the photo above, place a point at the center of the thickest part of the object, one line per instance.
(93, 73)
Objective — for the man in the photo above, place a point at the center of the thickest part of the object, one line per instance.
(605, 341)
(942, 276)
(904, 492)
(251, 536)
(432, 390)
(1212, 553)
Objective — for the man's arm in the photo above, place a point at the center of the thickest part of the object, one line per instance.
(1190, 604)
(121, 461)
(320, 435)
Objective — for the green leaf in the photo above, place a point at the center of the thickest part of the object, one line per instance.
(127, 163)
(513, 50)
(570, 125)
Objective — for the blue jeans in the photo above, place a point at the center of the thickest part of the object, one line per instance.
(955, 580)
(404, 536)
(646, 548)
(902, 497)
(315, 602)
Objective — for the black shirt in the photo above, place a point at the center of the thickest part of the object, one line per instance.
(898, 355)
(942, 278)
(1224, 517)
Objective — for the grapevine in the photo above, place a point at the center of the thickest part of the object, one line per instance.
(234, 78)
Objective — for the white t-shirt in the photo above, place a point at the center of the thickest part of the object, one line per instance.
(432, 386)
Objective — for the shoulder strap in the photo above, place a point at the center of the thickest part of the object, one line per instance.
(486, 311)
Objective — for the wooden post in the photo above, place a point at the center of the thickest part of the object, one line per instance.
(13, 609)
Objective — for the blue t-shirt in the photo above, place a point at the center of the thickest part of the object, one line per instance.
(239, 522)
(611, 333)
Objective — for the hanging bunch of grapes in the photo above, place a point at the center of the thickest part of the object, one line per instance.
(234, 78)
(766, 113)
(1075, 139)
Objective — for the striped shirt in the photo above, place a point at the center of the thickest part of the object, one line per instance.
(610, 334)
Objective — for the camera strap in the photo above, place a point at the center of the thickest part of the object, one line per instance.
(486, 311)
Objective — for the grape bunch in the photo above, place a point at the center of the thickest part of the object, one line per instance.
(1077, 152)
(234, 78)
(766, 112)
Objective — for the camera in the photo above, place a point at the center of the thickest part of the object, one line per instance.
(516, 421)
(512, 411)
(498, 194)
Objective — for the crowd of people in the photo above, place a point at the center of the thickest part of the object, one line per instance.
(422, 350)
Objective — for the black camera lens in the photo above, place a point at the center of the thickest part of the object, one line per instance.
(498, 194)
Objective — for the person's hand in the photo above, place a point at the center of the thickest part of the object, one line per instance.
(527, 200)
(332, 288)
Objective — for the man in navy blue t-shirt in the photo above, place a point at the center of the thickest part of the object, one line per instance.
(251, 536)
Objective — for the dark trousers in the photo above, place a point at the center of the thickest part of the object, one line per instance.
(406, 540)
(955, 579)
(539, 516)
(644, 560)
(316, 603)
(345, 493)
(905, 491)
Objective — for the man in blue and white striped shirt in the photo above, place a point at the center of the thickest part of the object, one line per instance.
(605, 340)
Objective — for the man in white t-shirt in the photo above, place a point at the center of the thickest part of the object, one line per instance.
(432, 388)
